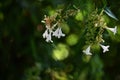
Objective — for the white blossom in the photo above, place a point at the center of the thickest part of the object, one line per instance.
(49, 39)
(105, 48)
(87, 51)
(49, 32)
(58, 33)
(47, 35)
(114, 30)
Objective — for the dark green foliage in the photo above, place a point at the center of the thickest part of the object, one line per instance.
(25, 55)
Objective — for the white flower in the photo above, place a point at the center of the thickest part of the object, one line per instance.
(105, 48)
(55, 33)
(87, 51)
(45, 34)
(58, 33)
(114, 30)
(48, 39)
(48, 21)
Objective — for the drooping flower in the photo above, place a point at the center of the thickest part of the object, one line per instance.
(114, 30)
(47, 35)
(50, 27)
(58, 33)
(49, 39)
(105, 48)
(87, 51)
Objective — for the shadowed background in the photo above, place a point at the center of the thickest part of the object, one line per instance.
(24, 54)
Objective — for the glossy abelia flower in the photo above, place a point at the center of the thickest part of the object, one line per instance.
(114, 30)
(49, 32)
(87, 51)
(58, 33)
(105, 48)
(49, 39)
(47, 35)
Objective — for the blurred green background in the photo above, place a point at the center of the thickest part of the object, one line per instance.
(24, 54)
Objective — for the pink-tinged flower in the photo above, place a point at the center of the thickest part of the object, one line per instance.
(105, 48)
(58, 33)
(114, 30)
(87, 51)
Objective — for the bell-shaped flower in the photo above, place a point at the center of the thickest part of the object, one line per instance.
(114, 30)
(58, 33)
(105, 48)
(45, 34)
(49, 39)
(87, 51)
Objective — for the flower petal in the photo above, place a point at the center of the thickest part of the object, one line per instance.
(87, 51)
(105, 48)
(45, 34)
(114, 30)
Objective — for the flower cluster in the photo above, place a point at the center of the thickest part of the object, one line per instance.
(50, 29)
(105, 48)
(114, 30)
(87, 50)
(99, 27)
(94, 28)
